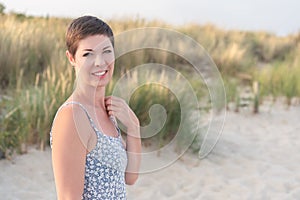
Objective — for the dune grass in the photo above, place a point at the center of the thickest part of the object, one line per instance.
(36, 78)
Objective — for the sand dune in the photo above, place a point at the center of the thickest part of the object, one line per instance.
(257, 157)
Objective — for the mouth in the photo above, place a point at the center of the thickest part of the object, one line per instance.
(100, 73)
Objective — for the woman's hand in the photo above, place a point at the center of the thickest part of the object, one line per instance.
(119, 108)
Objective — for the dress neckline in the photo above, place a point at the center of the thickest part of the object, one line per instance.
(112, 118)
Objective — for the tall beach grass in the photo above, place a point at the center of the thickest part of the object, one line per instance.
(35, 77)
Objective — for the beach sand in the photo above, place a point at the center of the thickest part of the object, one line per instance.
(257, 157)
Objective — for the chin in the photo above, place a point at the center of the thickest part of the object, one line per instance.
(102, 83)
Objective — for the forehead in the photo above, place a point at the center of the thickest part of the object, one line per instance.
(94, 42)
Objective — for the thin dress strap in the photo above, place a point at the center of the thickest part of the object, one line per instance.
(81, 106)
(85, 110)
(112, 118)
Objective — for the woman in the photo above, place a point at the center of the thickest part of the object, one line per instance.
(89, 157)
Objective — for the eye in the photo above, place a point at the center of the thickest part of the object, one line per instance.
(107, 51)
(86, 54)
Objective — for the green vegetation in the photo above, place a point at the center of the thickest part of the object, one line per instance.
(36, 78)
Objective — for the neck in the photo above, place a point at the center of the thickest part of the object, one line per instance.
(90, 96)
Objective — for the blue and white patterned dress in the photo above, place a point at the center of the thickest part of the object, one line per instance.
(105, 165)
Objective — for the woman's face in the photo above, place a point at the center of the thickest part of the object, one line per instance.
(94, 61)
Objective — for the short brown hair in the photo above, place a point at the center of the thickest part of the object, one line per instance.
(83, 27)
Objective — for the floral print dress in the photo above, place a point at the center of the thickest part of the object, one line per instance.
(105, 165)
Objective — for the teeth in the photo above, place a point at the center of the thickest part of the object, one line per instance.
(100, 73)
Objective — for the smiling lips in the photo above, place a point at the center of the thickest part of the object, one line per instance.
(100, 73)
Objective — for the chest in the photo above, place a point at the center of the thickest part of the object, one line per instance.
(103, 123)
(109, 152)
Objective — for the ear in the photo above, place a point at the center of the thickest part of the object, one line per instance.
(70, 58)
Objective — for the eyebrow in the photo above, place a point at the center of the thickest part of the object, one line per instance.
(93, 50)
(107, 47)
(88, 50)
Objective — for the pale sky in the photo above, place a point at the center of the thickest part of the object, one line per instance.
(281, 17)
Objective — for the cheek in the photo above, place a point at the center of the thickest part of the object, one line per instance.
(85, 63)
(109, 59)
(88, 61)
(112, 67)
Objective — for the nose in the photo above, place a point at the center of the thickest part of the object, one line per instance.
(99, 61)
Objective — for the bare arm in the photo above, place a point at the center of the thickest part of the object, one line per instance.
(68, 156)
(119, 108)
(133, 146)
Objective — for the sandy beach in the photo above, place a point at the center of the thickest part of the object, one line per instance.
(257, 157)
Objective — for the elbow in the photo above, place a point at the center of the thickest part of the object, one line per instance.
(70, 197)
(131, 179)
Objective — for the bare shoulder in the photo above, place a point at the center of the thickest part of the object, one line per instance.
(68, 151)
(69, 124)
(67, 117)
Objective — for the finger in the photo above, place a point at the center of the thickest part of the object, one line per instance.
(111, 113)
(108, 101)
(112, 108)
(113, 98)
(113, 102)
(107, 98)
